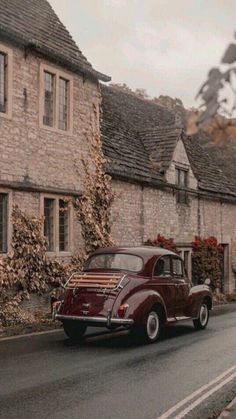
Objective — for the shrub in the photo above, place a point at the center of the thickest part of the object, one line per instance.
(207, 261)
(26, 269)
(162, 241)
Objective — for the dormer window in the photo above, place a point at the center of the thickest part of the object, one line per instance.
(181, 182)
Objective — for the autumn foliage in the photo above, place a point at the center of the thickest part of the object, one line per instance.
(94, 207)
(207, 261)
(27, 270)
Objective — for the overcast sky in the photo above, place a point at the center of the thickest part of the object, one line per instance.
(163, 46)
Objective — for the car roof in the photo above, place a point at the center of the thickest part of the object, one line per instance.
(143, 251)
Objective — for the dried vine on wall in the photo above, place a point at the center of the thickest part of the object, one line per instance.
(94, 207)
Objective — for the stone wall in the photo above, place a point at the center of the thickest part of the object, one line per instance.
(44, 156)
(36, 159)
(141, 213)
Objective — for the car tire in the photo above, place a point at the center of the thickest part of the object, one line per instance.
(150, 331)
(74, 330)
(201, 322)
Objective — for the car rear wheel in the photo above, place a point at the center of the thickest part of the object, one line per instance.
(74, 330)
(202, 320)
(150, 331)
(153, 326)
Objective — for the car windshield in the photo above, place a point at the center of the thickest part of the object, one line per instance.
(115, 261)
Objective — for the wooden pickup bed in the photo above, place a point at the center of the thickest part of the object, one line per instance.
(85, 280)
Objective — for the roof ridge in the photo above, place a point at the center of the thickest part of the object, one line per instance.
(133, 94)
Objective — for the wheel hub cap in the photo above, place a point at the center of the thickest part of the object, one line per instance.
(152, 325)
(203, 314)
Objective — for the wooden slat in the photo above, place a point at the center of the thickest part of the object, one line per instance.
(97, 276)
(101, 281)
(82, 278)
(91, 286)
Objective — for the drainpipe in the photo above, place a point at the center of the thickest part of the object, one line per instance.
(198, 216)
(141, 230)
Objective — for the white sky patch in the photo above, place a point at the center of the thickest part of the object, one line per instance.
(164, 46)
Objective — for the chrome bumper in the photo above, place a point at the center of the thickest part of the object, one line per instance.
(107, 321)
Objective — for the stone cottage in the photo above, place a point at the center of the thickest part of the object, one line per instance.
(164, 182)
(49, 101)
(48, 94)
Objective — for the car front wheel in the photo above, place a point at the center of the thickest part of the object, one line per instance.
(74, 330)
(202, 320)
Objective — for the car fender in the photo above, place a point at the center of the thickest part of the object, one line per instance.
(197, 295)
(141, 302)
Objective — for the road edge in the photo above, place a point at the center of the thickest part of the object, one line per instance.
(30, 329)
(229, 411)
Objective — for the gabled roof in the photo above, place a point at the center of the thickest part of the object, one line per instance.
(35, 25)
(136, 134)
(160, 143)
(223, 153)
(123, 115)
(206, 169)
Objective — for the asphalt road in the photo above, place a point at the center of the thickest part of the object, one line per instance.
(46, 376)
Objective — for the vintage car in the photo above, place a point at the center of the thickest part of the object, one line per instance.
(140, 288)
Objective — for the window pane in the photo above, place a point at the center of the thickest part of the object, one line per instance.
(162, 267)
(3, 83)
(186, 260)
(49, 222)
(3, 223)
(181, 182)
(63, 104)
(115, 261)
(177, 267)
(48, 99)
(63, 226)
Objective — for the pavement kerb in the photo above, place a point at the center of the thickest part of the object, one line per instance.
(227, 307)
(51, 326)
(229, 411)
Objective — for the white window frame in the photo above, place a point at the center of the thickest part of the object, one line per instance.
(57, 73)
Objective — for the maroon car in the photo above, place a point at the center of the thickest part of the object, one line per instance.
(140, 288)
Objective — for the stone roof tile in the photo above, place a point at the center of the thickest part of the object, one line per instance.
(136, 132)
(123, 115)
(34, 23)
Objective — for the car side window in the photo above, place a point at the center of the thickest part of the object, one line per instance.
(177, 266)
(162, 267)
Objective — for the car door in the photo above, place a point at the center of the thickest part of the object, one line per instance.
(182, 286)
(163, 283)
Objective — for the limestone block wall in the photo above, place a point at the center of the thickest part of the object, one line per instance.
(39, 155)
(140, 213)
